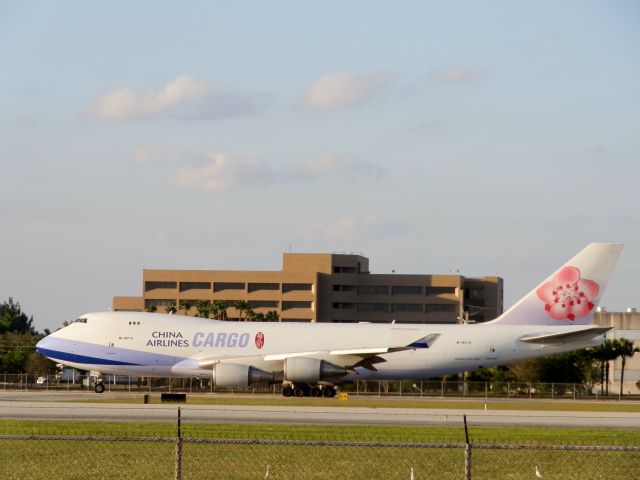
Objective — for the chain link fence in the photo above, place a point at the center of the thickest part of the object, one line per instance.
(71, 457)
(426, 388)
(190, 453)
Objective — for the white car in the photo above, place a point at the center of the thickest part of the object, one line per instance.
(42, 380)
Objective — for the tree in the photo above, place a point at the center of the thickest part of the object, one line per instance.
(204, 308)
(250, 315)
(240, 306)
(272, 316)
(152, 307)
(604, 353)
(186, 306)
(625, 349)
(170, 309)
(18, 339)
(219, 309)
(12, 319)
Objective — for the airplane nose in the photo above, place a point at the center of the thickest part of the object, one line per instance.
(43, 345)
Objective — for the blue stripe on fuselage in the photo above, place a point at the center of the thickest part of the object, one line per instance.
(72, 357)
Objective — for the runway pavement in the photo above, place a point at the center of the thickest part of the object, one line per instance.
(27, 408)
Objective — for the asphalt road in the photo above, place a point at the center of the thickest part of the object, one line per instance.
(21, 407)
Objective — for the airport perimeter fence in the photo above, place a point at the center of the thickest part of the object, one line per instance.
(185, 455)
(411, 389)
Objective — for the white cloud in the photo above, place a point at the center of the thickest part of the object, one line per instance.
(461, 75)
(345, 229)
(185, 97)
(127, 104)
(150, 154)
(345, 90)
(334, 166)
(221, 172)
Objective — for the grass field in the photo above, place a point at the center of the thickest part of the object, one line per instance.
(392, 402)
(424, 434)
(65, 459)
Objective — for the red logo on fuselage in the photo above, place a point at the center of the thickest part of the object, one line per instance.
(259, 339)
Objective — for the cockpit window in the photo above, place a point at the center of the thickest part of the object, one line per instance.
(80, 320)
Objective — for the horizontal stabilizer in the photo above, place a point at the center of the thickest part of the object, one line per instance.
(566, 337)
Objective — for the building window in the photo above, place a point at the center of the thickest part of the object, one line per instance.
(289, 305)
(148, 286)
(159, 303)
(254, 287)
(307, 320)
(345, 270)
(184, 286)
(406, 307)
(373, 289)
(294, 287)
(344, 306)
(406, 290)
(441, 307)
(344, 288)
(263, 304)
(373, 307)
(220, 286)
(441, 290)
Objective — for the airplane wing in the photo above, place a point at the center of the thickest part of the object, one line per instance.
(565, 337)
(366, 356)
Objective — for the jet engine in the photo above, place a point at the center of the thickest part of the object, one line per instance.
(232, 375)
(302, 369)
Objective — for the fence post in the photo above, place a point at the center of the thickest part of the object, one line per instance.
(467, 451)
(179, 451)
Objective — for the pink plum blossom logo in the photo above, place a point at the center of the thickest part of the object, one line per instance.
(567, 295)
(259, 340)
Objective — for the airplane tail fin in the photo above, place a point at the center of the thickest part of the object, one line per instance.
(569, 296)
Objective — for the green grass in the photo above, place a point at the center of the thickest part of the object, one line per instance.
(376, 402)
(64, 459)
(423, 434)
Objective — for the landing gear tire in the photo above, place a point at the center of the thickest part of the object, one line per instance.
(315, 392)
(298, 392)
(328, 392)
(287, 391)
(98, 387)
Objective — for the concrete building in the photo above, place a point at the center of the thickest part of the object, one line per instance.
(319, 287)
(626, 325)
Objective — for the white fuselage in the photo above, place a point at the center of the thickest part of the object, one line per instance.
(149, 344)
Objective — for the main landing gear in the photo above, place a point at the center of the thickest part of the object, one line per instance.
(305, 390)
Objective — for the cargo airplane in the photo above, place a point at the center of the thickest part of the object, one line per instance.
(310, 359)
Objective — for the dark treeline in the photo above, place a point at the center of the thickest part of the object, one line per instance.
(18, 339)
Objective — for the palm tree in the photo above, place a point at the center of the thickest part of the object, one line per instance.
(272, 316)
(604, 353)
(170, 309)
(219, 309)
(186, 306)
(204, 308)
(250, 315)
(240, 306)
(625, 350)
(152, 307)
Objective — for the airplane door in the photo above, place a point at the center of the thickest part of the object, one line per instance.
(491, 352)
(111, 350)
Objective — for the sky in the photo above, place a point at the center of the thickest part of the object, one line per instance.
(489, 138)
